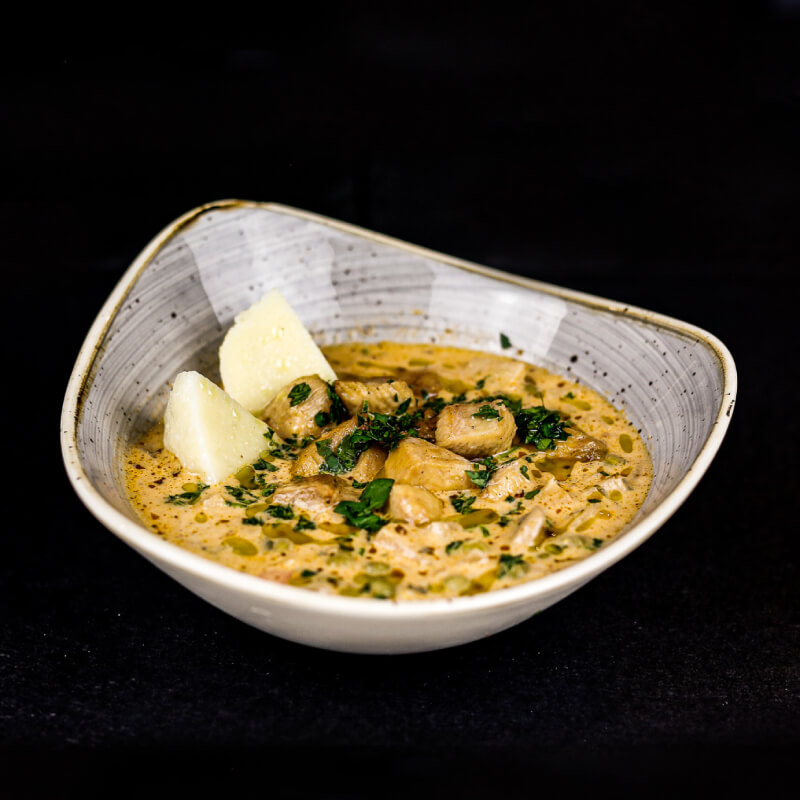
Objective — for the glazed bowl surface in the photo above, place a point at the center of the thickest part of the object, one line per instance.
(172, 307)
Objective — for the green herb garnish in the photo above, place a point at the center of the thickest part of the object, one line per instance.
(281, 512)
(436, 404)
(338, 411)
(462, 504)
(360, 513)
(481, 476)
(541, 427)
(241, 496)
(507, 563)
(453, 546)
(505, 342)
(305, 524)
(487, 412)
(261, 464)
(322, 418)
(298, 394)
(187, 498)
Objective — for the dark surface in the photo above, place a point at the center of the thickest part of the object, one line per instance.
(643, 156)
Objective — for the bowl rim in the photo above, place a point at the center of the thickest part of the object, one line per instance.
(561, 582)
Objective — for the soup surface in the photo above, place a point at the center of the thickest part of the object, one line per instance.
(423, 472)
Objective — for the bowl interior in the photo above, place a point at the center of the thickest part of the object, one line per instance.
(347, 284)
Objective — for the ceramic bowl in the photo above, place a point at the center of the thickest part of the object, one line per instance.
(172, 307)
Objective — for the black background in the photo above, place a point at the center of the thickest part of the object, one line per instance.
(642, 154)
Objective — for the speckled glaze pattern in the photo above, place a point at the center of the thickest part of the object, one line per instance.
(171, 309)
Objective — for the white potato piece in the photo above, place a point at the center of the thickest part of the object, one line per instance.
(267, 347)
(209, 432)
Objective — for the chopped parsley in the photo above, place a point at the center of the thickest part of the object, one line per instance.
(481, 476)
(322, 418)
(338, 410)
(305, 524)
(287, 449)
(261, 464)
(541, 427)
(511, 403)
(280, 512)
(508, 563)
(241, 497)
(462, 504)
(188, 498)
(505, 342)
(487, 412)
(308, 573)
(299, 394)
(436, 404)
(386, 430)
(453, 546)
(532, 493)
(330, 460)
(481, 383)
(361, 512)
(524, 470)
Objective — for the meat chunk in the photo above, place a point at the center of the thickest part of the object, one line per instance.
(579, 446)
(510, 479)
(530, 530)
(559, 505)
(421, 463)
(383, 395)
(369, 464)
(414, 504)
(475, 430)
(309, 460)
(292, 410)
(317, 495)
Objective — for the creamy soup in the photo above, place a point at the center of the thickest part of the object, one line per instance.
(423, 472)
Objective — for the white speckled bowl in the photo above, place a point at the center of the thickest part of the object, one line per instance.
(172, 307)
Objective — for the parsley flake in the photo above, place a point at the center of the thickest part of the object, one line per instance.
(487, 412)
(360, 513)
(187, 498)
(299, 394)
